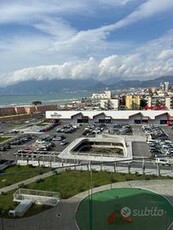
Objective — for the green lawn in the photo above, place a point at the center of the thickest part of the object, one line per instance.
(16, 174)
(42, 124)
(4, 138)
(71, 182)
(145, 210)
(67, 183)
(17, 123)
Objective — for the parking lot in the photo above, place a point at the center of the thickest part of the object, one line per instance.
(160, 143)
(38, 142)
(55, 139)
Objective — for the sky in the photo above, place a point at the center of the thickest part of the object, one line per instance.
(101, 39)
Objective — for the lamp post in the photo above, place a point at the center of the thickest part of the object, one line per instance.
(143, 166)
(2, 220)
(158, 169)
(90, 198)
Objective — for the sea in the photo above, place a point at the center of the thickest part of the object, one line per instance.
(45, 98)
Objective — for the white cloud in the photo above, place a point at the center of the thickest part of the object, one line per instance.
(151, 60)
(56, 27)
(31, 10)
(93, 42)
(166, 54)
(145, 10)
(62, 43)
(115, 3)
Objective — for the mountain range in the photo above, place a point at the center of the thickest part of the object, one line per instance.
(60, 85)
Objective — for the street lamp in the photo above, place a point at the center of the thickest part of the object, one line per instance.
(2, 220)
(90, 197)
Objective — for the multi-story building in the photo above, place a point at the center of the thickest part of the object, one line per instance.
(109, 104)
(105, 95)
(165, 86)
(160, 101)
(169, 102)
(132, 102)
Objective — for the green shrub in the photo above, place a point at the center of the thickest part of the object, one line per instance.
(21, 185)
(3, 193)
(40, 180)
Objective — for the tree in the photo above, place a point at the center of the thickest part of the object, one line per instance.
(143, 103)
(36, 103)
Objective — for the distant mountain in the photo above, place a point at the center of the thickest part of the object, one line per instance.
(141, 84)
(48, 86)
(98, 86)
(65, 85)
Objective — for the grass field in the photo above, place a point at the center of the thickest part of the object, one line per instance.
(3, 138)
(16, 174)
(124, 209)
(17, 123)
(71, 182)
(67, 183)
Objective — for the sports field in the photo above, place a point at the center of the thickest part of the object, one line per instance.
(124, 209)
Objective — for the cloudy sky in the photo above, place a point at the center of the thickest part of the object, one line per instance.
(45, 39)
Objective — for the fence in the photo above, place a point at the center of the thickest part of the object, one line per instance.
(37, 196)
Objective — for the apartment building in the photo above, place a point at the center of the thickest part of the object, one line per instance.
(109, 104)
(132, 102)
(105, 95)
(160, 101)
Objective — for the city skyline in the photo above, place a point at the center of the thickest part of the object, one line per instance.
(100, 39)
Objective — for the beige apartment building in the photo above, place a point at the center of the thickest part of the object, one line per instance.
(132, 102)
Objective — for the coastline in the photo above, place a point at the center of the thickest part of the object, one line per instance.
(51, 98)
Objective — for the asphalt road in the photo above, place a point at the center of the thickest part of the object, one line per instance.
(140, 149)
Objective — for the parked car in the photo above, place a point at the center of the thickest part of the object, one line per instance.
(38, 141)
(63, 142)
(59, 138)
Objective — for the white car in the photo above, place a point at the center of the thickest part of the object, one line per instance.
(40, 141)
(58, 138)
